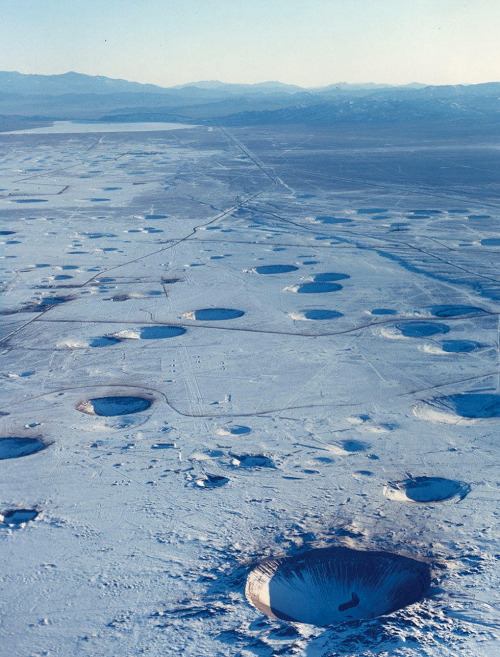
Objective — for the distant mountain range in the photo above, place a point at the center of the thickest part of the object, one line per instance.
(78, 83)
(78, 96)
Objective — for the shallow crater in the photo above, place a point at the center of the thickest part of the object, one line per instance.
(252, 461)
(329, 586)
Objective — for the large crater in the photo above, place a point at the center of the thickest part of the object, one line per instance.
(462, 407)
(14, 448)
(332, 585)
(113, 406)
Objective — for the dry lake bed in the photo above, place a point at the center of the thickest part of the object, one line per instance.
(250, 392)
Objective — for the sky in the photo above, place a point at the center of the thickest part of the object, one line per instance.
(305, 42)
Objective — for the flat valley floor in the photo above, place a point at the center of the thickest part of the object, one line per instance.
(227, 344)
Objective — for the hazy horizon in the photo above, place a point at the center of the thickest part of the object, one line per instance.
(308, 44)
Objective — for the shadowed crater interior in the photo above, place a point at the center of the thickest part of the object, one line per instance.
(470, 405)
(112, 406)
(421, 329)
(275, 269)
(216, 314)
(318, 314)
(426, 489)
(332, 585)
(13, 448)
(160, 332)
(459, 346)
(330, 276)
(318, 287)
(18, 516)
(455, 310)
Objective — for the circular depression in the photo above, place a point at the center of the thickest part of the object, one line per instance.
(214, 314)
(18, 516)
(275, 269)
(329, 586)
(318, 287)
(466, 406)
(421, 329)
(426, 490)
(113, 406)
(14, 448)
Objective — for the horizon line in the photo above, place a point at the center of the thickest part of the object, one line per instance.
(289, 84)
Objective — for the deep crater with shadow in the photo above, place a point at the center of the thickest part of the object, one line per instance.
(426, 490)
(329, 586)
(459, 346)
(113, 406)
(318, 287)
(471, 405)
(160, 332)
(14, 448)
(456, 310)
(328, 277)
(14, 517)
(214, 314)
(275, 269)
(421, 329)
(319, 314)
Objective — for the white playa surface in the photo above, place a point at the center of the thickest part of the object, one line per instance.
(75, 127)
(138, 266)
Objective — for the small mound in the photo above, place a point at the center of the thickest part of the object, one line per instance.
(14, 448)
(317, 288)
(160, 332)
(330, 276)
(421, 329)
(329, 586)
(275, 269)
(426, 490)
(319, 314)
(214, 314)
(462, 407)
(113, 406)
(18, 516)
(455, 310)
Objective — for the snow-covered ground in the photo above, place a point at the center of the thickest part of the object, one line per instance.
(340, 389)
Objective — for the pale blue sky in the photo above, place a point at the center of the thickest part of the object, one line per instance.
(305, 42)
